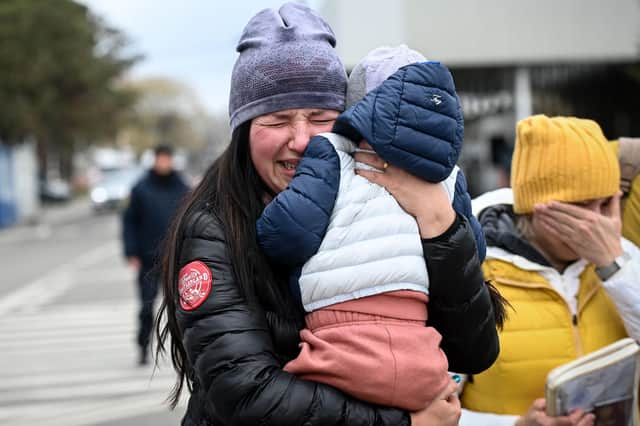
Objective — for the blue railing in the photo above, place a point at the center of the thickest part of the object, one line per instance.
(8, 210)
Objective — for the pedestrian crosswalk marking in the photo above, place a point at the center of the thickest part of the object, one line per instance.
(74, 365)
(31, 296)
(10, 383)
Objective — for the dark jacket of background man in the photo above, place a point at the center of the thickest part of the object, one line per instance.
(152, 205)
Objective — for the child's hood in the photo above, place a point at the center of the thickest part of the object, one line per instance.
(412, 120)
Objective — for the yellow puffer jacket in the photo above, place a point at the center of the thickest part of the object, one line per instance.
(540, 334)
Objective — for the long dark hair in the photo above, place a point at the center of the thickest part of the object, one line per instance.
(232, 191)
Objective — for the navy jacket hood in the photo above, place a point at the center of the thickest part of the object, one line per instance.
(412, 120)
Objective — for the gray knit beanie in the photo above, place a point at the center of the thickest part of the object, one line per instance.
(287, 60)
(376, 67)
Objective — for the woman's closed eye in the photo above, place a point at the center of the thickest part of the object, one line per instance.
(275, 124)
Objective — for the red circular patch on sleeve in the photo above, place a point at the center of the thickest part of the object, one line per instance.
(194, 285)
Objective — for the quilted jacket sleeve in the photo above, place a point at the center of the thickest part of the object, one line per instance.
(462, 205)
(460, 305)
(237, 374)
(292, 226)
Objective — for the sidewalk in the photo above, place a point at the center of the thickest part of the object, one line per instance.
(61, 214)
(50, 215)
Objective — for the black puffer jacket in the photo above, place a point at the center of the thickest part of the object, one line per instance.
(238, 352)
(153, 202)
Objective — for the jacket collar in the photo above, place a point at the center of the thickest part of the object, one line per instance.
(498, 224)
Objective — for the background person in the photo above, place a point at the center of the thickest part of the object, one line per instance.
(152, 203)
(556, 254)
(628, 152)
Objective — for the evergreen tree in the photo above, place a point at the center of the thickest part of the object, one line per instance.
(59, 71)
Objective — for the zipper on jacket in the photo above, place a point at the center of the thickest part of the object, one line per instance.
(576, 335)
(574, 317)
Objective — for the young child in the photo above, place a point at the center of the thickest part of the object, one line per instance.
(358, 260)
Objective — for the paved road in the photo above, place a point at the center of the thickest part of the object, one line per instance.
(67, 326)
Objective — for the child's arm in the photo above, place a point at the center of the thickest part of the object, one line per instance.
(292, 226)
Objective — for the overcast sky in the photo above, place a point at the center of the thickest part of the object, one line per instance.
(192, 41)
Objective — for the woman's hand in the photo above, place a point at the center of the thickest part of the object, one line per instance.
(443, 411)
(592, 233)
(134, 262)
(427, 202)
(537, 416)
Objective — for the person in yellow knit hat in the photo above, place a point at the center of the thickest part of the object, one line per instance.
(556, 253)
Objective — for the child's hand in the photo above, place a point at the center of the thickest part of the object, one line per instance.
(444, 410)
(427, 202)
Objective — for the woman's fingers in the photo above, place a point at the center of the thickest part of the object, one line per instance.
(365, 145)
(568, 209)
(559, 227)
(588, 420)
(372, 176)
(373, 160)
(449, 391)
(612, 208)
(370, 158)
(561, 213)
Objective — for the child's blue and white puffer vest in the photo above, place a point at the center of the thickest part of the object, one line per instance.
(346, 237)
(371, 244)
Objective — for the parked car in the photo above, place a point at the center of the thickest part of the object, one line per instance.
(55, 191)
(112, 190)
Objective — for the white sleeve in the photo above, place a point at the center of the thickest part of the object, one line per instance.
(624, 289)
(475, 418)
(449, 183)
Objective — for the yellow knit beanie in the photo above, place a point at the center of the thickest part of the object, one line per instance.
(562, 159)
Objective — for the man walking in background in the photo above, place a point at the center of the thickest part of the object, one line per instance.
(153, 202)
